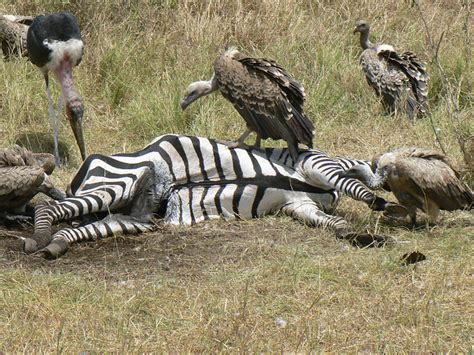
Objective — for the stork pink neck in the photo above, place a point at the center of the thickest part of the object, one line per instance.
(64, 75)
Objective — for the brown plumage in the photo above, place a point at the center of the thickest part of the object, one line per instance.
(13, 31)
(420, 179)
(399, 79)
(266, 96)
(22, 175)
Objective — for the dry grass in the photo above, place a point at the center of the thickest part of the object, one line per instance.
(223, 286)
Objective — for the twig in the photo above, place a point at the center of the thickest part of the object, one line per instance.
(452, 94)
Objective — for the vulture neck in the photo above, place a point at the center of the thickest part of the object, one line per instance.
(376, 180)
(372, 180)
(364, 40)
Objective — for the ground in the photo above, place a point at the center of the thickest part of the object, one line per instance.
(269, 284)
(263, 285)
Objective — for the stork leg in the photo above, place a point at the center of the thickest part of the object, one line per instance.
(52, 115)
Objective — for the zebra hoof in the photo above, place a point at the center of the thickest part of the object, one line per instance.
(30, 246)
(36, 242)
(54, 249)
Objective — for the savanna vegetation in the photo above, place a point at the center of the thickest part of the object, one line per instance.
(267, 285)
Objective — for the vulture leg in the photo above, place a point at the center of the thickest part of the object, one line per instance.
(258, 142)
(237, 144)
(412, 215)
(243, 137)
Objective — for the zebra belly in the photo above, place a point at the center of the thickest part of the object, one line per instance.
(189, 205)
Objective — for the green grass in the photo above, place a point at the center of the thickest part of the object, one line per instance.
(221, 286)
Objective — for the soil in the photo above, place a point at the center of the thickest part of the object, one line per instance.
(182, 251)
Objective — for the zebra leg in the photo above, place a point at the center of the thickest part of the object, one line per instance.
(309, 212)
(49, 212)
(139, 213)
(109, 226)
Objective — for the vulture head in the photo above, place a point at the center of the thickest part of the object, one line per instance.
(375, 178)
(361, 26)
(196, 90)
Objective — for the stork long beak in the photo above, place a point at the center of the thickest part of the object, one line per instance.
(75, 121)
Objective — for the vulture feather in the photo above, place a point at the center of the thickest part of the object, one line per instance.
(419, 178)
(268, 98)
(399, 79)
(22, 175)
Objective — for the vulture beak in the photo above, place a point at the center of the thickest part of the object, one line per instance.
(189, 99)
(185, 102)
(75, 114)
(354, 31)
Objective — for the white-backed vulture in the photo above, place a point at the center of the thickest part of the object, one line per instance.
(419, 178)
(400, 80)
(268, 98)
(13, 35)
(22, 175)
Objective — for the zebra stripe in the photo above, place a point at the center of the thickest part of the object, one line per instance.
(195, 179)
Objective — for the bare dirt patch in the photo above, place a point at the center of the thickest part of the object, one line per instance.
(180, 251)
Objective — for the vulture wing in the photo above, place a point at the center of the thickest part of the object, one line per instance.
(266, 96)
(415, 71)
(387, 81)
(436, 179)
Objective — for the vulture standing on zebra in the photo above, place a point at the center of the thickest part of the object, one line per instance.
(268, 98)
(419, 178)
(399, 79)
(54, 44)
(22, 175)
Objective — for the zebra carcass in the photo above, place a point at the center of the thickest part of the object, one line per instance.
(193, 179)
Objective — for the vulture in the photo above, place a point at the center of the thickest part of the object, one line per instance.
(54, 44)
(268, 98)
(419, 178)
(22, 175)
(400, 80)
(13, 31)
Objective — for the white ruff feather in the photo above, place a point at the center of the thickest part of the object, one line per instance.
(385, 48)
(72, 47)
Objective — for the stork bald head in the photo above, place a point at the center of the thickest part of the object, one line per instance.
(196, 90)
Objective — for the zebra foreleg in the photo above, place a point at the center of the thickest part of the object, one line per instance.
(310, 213)
(109, 226)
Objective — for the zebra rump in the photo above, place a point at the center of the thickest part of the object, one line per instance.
(187, 180)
